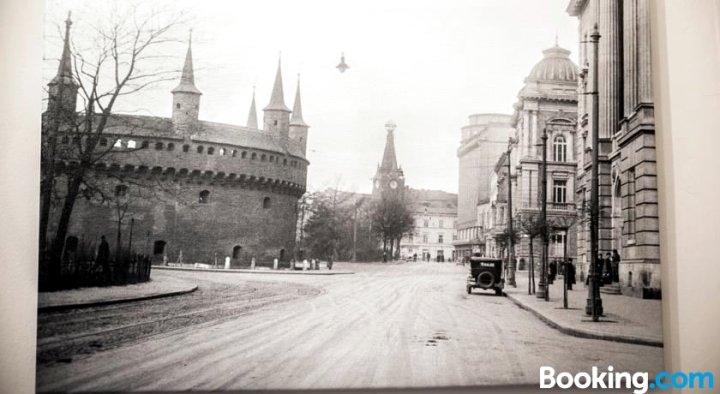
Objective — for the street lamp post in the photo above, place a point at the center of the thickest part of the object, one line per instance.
(543, 291)
(594, 303)
(511, 241)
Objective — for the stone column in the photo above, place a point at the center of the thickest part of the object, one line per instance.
(644, 61)
(610, 77)
(275, 264)
(252, 263)
(630, 56)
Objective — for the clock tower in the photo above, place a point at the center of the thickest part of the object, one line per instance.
(389, 178)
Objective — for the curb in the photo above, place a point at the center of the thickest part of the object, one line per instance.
(243, 271)
(55, 308)
(584, 333)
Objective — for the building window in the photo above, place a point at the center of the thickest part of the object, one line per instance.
(171, 147)
(131, 144)
(631, 201)
(253, 156)
(425, 238)
(204, 197)
(560, 149)
(177, 105)
(275, 123)
(121, 190)
(266, 203)
(559, 191)
(441, 223)
(426, 223)
(263, 157)
(158, 146)
(234, 153)
(272, 159)
(200, 149)
(211, 150)
(221, 152)
(243, 155)
(440, 238)
(186, 148)
(103, 141)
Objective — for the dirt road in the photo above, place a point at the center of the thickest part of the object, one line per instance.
(385, 326)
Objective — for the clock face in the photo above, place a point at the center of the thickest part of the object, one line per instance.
(393, 184)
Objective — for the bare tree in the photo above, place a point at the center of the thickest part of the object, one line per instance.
(121, 60)
(533, 226)
(391, 220)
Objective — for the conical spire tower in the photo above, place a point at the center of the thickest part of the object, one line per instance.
(252, 116)
(186, 97)
(276, 114)
(297, 116)
(63, 88)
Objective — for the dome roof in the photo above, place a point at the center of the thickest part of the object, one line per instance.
(556, 66)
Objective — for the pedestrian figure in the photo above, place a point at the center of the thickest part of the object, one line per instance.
(384, 257)
(103, 258)
(330, 263)
(599, 268)
(553, 272)
(616, 266)
(570, 272)
(414, 257)
(609, 274)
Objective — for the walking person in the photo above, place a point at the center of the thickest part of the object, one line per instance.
(570, 272)
(609, 272)
(616, 266)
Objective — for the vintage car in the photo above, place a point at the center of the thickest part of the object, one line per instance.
(485, 273)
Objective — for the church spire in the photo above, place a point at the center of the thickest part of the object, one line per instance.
(389, 162)
(277, 99)
(64, 74)
(297, 117)
(252, 116)
(187, 79)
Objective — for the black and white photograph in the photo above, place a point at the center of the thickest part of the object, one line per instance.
(316, 194)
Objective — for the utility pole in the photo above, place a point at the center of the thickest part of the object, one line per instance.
(511, 242)
(594, 303)
(354, 255)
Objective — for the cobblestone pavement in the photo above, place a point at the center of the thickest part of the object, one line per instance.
(403, 325)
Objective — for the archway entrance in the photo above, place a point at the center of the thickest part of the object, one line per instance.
(159, 248)
(236, 251)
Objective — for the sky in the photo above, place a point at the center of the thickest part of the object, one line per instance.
(426, 65)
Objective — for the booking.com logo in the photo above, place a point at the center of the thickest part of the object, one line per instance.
(638, 381)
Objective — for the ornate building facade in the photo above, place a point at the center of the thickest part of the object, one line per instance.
(218, 189)
(546, 107)
(628, 171)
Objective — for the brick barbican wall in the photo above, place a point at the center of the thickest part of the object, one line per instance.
(170, 211)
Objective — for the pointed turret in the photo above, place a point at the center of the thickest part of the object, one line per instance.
(252, 116)
(277, 99)
(277, 115)
(186, 97)
(298, 127)
(297, 117)
(63, 88)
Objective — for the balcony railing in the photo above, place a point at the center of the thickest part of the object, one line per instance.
(554, 206)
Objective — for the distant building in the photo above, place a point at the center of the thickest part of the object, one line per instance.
(628, 170)
(435, 214)
(483, 140)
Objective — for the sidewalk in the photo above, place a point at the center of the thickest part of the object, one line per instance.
(160, 285)
(626, 319)
(259, 270)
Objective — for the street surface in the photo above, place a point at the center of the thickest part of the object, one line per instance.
(404, 325)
